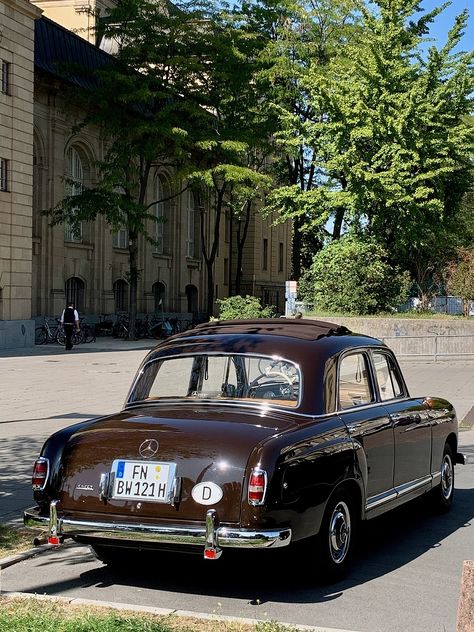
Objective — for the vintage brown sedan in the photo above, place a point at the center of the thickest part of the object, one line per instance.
(256, 434)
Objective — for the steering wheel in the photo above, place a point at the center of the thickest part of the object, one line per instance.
(271, 370)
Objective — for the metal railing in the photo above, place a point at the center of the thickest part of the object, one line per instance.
(436, 345)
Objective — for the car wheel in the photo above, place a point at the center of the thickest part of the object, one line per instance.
(442, 494)
(337, 537)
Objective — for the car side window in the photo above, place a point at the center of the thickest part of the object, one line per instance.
(388, 381)
(354, 385)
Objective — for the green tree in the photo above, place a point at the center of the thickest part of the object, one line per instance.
(242, 308)
(298, 36)
(460, 277)
(234, 144)
(150, 107)
(392, 142)
(353, 275)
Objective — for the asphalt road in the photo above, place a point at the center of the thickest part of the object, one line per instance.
(406, 578)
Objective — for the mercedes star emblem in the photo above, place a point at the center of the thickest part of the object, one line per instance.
(149, 448)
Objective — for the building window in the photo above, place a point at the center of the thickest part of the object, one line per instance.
(280, 257)
(3, 174)
(121, 295)
(191, 225)
(227, 227)
(158, 290)
(74, 186)
(5, 77)
(265, 255)
(226, 271)
(192, 299)
(159, 209)
(120, 238)
(74, 290)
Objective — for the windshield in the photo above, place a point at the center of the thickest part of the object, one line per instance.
(218, 377)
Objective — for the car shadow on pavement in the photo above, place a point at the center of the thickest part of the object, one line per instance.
(386, 544)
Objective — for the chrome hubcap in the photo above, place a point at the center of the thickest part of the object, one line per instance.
(339, 532)
(447, 476)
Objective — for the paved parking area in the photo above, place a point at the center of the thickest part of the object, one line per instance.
(45, 389)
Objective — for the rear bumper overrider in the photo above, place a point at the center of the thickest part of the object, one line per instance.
(211, 536)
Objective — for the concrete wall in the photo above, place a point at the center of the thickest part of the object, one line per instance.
(418, 337)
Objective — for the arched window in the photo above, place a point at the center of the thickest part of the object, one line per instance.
(75, 291)
(192, 225)
(160, 218)
(74, 186)
(38, 171)
(121, 295)
(192, 296)
(159, 290)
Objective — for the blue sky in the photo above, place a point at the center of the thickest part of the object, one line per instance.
(445, 21)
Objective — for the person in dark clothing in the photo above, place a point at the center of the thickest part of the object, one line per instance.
(69, 320)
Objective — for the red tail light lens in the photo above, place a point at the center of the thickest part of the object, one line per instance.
(257, 486)
(40, 473)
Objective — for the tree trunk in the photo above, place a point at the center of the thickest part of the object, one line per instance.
(242, 232)
(210, 287)
(297, 246)
(133, 280)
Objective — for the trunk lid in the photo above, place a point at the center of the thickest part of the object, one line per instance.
(207, 443)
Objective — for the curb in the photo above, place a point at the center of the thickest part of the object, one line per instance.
(5, 562)
(124, 607)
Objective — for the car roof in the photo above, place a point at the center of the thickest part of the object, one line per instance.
(300, 328)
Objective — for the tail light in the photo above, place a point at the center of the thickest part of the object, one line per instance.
(40, 473)
(257, 486)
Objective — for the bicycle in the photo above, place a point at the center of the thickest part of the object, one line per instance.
(47, 332)
(76, 339)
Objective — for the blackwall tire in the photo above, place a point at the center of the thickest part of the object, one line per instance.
(443, 494)
(337, 537)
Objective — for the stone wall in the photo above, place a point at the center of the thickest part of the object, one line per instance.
(16, 148)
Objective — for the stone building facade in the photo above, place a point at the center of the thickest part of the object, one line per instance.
(53, 264)
(16, 169)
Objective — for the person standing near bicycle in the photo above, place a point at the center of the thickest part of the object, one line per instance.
(69, 320)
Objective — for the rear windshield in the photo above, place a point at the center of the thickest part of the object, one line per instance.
(218, 377)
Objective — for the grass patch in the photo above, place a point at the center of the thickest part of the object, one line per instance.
(39, 615)
(15, 539)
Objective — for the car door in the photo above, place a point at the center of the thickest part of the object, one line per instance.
(368, 422)
(411, 424)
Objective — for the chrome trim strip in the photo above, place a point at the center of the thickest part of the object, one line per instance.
(406, 488)
(380, 499)
(173, 534)
(401, 490)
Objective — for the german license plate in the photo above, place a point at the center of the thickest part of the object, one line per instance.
(143, 480)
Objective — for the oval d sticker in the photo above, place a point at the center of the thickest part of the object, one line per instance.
(207, 493)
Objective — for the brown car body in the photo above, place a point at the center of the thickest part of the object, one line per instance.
(324, 436)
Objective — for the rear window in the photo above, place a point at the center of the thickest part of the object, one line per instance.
(218, 377)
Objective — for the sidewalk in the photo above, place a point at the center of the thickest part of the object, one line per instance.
(46, 388)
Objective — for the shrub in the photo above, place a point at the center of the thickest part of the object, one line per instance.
(243, 307)
(353, 275)
(460, 278)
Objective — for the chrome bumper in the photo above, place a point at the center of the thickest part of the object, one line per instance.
(211, 536)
